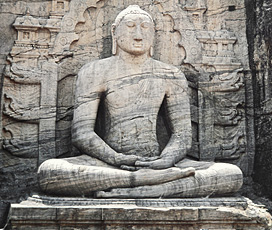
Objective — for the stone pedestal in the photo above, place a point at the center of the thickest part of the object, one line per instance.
(80, 213)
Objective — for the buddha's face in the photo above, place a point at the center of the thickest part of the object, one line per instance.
(135, 34)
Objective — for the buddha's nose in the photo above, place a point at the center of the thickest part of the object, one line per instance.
(138, 34)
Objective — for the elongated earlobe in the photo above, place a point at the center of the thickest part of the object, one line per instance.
(151, 51)
(114, 41)
(114, 46)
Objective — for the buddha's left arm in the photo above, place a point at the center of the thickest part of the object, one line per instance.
(179, 119)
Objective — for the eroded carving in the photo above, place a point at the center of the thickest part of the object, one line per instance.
(218, 49)
(132, 87)
(226, 82)
(226, 101)
(35, 36)
(20, 139)
(47, 50)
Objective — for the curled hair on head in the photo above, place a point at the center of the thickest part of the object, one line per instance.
(132, 9)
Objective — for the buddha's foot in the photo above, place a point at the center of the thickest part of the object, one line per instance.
(218, 179)
(151, 176)
(147, 191)
(145, 177)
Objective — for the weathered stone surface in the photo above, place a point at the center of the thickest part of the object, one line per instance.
(4, 210)
(186, 36)
(240, 202)
(260, 60)
(131, 87)
(127, 214)
(183, 24)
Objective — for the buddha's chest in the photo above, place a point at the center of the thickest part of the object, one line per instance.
(135, 93)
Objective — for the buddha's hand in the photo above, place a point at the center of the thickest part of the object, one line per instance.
(122, 159)
(162, 163)
(142, 159)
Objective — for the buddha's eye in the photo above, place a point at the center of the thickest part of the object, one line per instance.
(130, 24)
(145, 25)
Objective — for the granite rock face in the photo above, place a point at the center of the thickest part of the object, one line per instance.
(44, 44)
(132, 87)
(54, 39)
(260, 62)
(188, 214)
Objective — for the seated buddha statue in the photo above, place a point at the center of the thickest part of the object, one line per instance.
(128, 162)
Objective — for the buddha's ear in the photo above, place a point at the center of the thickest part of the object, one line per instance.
(151, 51)
(114, 42)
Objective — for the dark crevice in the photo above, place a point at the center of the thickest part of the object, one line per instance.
(4, 210)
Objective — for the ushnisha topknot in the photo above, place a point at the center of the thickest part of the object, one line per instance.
(132, 9)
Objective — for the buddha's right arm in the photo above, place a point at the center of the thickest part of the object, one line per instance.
(88, 142)
(87, 99)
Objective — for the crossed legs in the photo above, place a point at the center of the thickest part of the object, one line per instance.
(84, 175)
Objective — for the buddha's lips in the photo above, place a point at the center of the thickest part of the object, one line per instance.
(138, 45)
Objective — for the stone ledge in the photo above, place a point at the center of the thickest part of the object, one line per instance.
(241, 202)
(123, 214)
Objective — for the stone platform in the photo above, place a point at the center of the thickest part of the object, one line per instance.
(42, 212)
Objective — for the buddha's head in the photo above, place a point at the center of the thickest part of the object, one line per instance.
(133, 32)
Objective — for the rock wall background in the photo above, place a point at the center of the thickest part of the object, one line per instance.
(17, 176)
(223, 46)
(260, 47)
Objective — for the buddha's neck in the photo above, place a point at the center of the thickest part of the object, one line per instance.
(133, 60)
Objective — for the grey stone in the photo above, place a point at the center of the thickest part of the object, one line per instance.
(69, 39)
(182, 23)
(185, 202)
(131, 86)
(212, 213)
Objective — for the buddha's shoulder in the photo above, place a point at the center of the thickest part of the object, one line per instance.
(174, 76)
(164, 67)
(97, 67)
